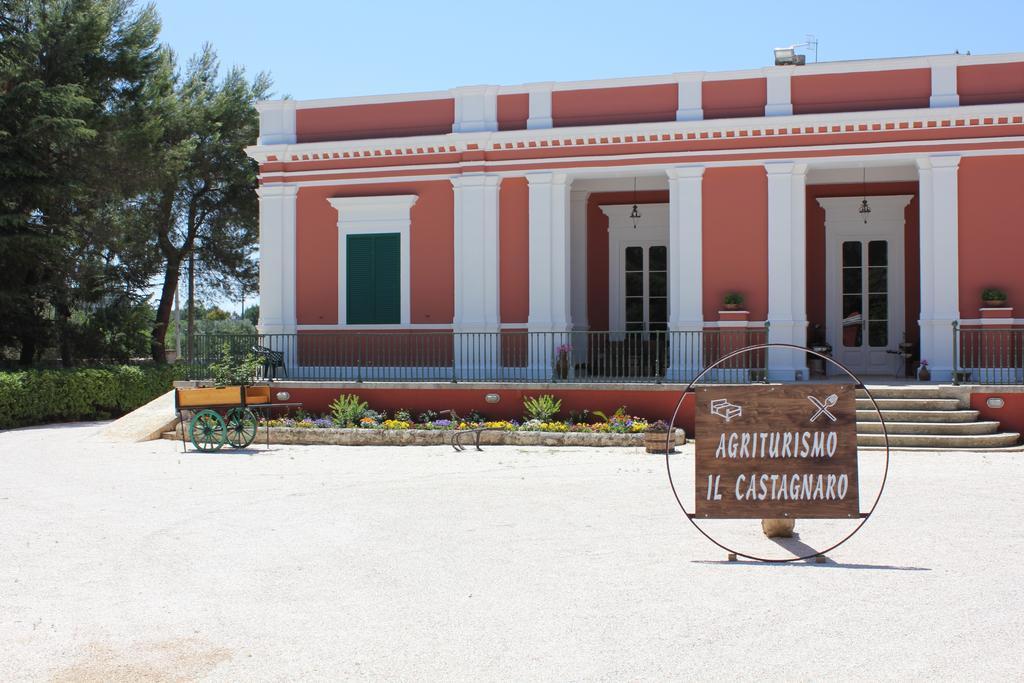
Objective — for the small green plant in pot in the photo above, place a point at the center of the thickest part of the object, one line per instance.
(733, 301)
(993, 297)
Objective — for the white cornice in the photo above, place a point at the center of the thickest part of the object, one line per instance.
(580, 137)
(849, 66)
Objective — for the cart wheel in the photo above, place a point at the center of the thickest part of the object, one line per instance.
(207, 430)
(242, 425)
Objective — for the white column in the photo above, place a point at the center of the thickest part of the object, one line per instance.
(550, 269)
(277, 258)
(476, 108)
(779, 101)
(940, 292)
(477, 305)
(685, 284)
(787, 268)
(944, 89)
(540, 106)
(690, 106)
(578, 272)
(277, 271)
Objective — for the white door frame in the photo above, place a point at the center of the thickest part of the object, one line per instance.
(651, 231)
(843, 222)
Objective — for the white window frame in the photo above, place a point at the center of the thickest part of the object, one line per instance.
(370, 216)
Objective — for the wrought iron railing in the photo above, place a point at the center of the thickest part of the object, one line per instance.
(506, 356)
(988, 355)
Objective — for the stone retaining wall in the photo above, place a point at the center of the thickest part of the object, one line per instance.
(437, 437)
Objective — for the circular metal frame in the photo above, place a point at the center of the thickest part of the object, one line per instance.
(240, 421)
(857, 385)
(207, 424)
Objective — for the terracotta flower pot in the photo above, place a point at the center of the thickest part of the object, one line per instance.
(993, 303)
(731, 307)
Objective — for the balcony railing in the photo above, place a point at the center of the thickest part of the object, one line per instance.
(988, 355)
(506, 356)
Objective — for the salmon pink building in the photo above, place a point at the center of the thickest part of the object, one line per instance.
(589, 233)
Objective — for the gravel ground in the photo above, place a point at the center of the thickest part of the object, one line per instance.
(135, 562)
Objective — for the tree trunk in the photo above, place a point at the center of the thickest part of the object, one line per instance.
(163, 310)
(64, 315)
(28, 351)
(191, 302)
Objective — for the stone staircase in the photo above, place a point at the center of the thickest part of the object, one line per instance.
(933, 417)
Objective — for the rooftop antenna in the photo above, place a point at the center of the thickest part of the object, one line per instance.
(787, 56)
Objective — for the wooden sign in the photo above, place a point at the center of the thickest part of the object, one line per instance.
(776, 451)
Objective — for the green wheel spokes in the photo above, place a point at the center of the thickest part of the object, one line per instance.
(207, 430)
(241, 427)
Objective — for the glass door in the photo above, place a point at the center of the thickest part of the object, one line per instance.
(646, 288)
(866, 304)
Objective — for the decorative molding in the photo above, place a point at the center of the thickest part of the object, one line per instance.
(818, 68)
(369, 215)
(840, 124)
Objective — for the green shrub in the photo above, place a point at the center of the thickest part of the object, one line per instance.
(40, 396)
(232, 369)
(542, 408)
(347, 409)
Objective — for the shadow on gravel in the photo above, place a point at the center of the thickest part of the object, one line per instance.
(801, 549)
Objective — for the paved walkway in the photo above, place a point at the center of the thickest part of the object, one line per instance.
(134, 561)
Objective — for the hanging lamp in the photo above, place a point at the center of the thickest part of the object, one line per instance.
(865, 208)
(635, 213)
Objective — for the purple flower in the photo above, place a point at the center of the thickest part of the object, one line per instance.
(442, 423)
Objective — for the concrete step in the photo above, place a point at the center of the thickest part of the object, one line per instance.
(933, 428)
(919, 415)
(942, 441)
(910, 404)
(925, 391)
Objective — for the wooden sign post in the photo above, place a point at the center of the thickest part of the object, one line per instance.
(779, 451)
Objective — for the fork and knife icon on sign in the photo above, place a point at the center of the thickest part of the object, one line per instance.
(824, 407)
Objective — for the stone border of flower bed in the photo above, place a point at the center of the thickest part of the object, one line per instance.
(441, 437)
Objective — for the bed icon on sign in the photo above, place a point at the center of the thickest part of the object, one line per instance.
(725, 410)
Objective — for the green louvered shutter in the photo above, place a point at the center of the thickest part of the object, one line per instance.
(387, 276)
(373, 279)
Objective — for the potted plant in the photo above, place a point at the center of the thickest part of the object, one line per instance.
(993, 297)
(562, 352)
(733, 301)
(658, 439)
(923, 373)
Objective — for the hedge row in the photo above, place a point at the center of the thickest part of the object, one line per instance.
(41, 396)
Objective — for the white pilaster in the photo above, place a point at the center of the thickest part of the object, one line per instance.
(578, 268)
(685, 272)
(690, 106)
(685, 230)
(277, 258)
(787, 268)
(476, 108)
(944, 89)
(779, 101)
(277, 122)
(540, 106)
(940, 292)
(550, 268)
(476, 252)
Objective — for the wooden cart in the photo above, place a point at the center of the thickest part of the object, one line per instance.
(224, 415)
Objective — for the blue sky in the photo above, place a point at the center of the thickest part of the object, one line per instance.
(320, 48)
